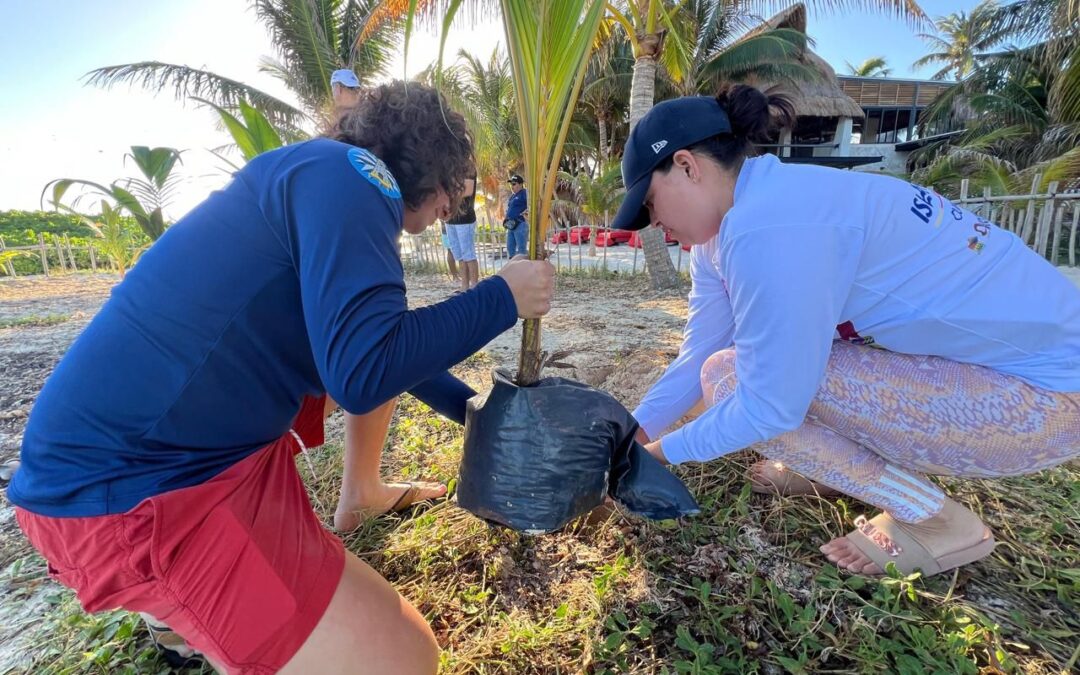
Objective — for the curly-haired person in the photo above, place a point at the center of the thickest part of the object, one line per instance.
(158, 471)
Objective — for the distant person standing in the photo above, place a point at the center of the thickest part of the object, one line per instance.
(345, 86)
(451, 261)
(461, 231)
(517, 232)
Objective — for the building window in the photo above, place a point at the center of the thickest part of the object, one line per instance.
(883, 125)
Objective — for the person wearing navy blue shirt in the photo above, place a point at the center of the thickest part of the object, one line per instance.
(158, 469)
(517, 209)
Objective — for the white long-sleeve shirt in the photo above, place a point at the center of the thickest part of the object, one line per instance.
(808, 254)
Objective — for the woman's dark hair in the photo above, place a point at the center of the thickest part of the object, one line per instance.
(425, 145)
(753, 117)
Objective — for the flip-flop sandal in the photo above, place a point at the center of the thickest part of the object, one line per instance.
(407, 500)
(174, 649)
(884, 540)
(789, 484)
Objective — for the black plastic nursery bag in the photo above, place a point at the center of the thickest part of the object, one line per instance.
(537, 457)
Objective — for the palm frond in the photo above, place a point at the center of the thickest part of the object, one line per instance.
(908, 10)
(303, 32)
(187, 82)
(772, 55)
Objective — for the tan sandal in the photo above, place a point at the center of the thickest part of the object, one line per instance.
(884, 539)
(779, 480)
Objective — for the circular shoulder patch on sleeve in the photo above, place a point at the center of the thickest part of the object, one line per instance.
(374, 171)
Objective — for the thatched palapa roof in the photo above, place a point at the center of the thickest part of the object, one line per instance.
(821, 97)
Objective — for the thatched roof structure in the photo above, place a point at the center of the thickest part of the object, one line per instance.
(821, 97)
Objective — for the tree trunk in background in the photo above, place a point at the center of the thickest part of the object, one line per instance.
(643, 85)
(662, 273)
(601, 123)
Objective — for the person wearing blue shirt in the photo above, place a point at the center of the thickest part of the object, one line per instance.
(517, 210)
(857, 329)
(158, 469)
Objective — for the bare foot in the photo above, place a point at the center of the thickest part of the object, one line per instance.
(842, 553)
(352, 511)
(769, 477)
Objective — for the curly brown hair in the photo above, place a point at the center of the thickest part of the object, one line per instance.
(410, 127)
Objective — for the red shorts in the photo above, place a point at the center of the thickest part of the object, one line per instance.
(240, 565)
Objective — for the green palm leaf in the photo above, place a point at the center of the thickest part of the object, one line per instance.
(772, 55)
(189, 82)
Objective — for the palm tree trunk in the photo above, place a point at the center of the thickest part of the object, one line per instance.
(643, 85)
(601, 123)
(662, 273)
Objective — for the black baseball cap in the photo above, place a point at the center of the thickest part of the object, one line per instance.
(515, 178)
(669, 127)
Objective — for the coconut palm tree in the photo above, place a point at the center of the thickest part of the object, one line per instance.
(958, 40)
(875, 66)
(728, 44)
(606, 91)
(1024, 109)
(1019, 127)
(312, 38)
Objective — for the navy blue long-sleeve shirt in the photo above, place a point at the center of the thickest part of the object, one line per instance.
(517, 205)
(285, 283)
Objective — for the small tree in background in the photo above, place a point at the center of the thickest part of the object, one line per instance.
(143, 198)
(595, 197)
(115, 241)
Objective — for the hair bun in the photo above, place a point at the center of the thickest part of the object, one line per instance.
(754, 115)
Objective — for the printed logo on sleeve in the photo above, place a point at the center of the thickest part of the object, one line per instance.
(926, 204)
(374, 171)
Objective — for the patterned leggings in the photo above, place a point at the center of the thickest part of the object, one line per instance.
(883, 420)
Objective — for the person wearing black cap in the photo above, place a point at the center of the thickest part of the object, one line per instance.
(517, 209)
(855, 328)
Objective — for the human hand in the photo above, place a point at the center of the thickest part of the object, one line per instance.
(532, 283)
(657, 451)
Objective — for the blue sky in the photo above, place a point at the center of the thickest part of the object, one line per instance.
(53, 126)
(857, 36)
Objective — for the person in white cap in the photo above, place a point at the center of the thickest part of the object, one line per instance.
(345, 86)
